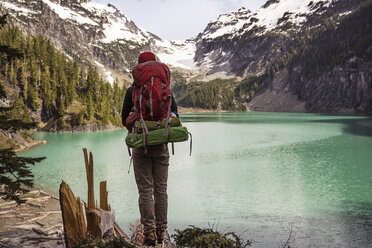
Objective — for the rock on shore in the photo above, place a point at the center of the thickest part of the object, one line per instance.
(18, 141)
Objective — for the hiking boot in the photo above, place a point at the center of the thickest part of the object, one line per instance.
(150, 239)
(160, 235)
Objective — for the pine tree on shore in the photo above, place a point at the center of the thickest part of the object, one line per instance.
(15, 174)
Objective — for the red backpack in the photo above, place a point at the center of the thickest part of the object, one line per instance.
(152, 97)
(151, 91)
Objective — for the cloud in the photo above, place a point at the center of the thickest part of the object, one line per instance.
(177, 19)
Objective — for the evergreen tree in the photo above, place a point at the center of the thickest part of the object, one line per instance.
(12, 74)
(46, 90)
(32, 98)
(90, 107)
(15, 174)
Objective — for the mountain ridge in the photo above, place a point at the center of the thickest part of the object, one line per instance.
(252, 50)
(93, 32)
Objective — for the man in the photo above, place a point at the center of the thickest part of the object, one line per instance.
(151, 174)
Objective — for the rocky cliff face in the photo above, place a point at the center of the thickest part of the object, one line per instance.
(345, 88)
(342, 89)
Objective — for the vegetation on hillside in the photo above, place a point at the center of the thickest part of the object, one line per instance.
(48, 83)
(336, 42)
(219, 94)
(216, 94)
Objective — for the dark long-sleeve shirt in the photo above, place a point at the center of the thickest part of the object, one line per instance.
(128, 105)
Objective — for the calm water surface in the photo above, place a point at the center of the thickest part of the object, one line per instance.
(259, 174)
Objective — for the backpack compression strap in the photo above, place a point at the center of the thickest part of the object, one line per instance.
(167, 122)
(145, 131)
(151, 109)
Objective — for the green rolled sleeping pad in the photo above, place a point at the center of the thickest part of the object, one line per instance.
(153, 125)
(156, 137)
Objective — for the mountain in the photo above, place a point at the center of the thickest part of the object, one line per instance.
(95, 33)
(245, 42)
(290, 55)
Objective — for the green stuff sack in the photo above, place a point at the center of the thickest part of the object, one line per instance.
(156, 137)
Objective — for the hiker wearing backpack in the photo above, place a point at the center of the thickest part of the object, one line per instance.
(150, 99)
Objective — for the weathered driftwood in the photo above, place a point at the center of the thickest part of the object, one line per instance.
(39, 231)
(40, 237)
(34, 204)
(55, 226)
(50, 195)
(7, 204)
(72, 215)
(36, 219)
(7, 211)
(34, 194)
(39, 223)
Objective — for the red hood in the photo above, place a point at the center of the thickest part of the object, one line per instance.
(146, 56)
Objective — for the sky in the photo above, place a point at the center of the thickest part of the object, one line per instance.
(178, 19)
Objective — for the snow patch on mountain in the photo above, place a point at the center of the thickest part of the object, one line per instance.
(20, 10)
(109, 77)
(116, 26)
(176, 53)
(98, 8)
(66, 13)
(117, 29)
(243, 20)
(296, 9)
(345, 13)
(107, 73)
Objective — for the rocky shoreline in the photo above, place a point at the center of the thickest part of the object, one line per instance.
(21, 140)
(93, 127)
(31, 144)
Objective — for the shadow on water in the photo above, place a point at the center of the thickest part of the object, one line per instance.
(352, 126)
(355, 125)
(358, 223)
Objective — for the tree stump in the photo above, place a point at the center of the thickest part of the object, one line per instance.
(72, 215)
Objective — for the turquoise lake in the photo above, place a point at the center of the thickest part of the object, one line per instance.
(258, 174)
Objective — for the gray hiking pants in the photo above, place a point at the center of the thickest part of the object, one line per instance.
(151, 174)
